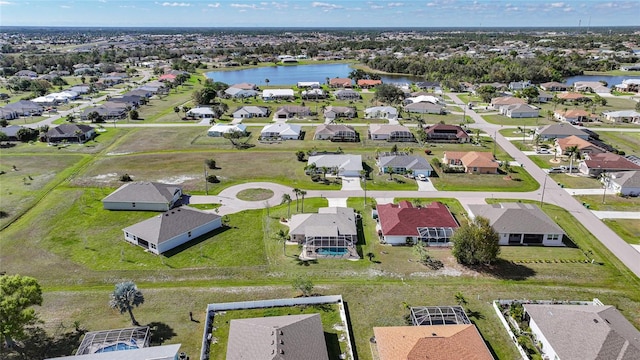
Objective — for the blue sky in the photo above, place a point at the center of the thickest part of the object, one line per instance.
(325, 13)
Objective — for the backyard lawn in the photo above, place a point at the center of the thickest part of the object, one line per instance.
(629, 142)
(611, 202)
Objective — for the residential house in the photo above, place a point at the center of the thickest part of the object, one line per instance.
(402, 163)
(27, 74)
(308, 84)
(438, 342)
(473, 162)
(381, 112)
(422, 99)
(390, 132)
(247, 112)
(219, 130)
(428, 85)
(591, 86)
(571, 96)
(80, 89)
(201, 112)
(573, 116)
(340, 83)
(72, 133)
(107, 111)
(368, 83)
(134, 101)
(171, 229)
(347, 94)
(446, 133)
(292, 111)
(507, 220)
(281, 131)
(331, 233)
(622, 116)
(559, 131)
(277, 337)
(145, 92)
(143, 196)
(498, 102)
(595, 164)
(167, 78)
(584, 146)
(335, 112)
(585, 332)
(245, 86)
(625, 183)
(554, 86)
(239, 93)
(519, 111)
(424, 108)
(519, 85)
(11, 131)
(403, 224)
(25, 108)
(544, 97)
(336, 132)
(313, 94)
(629, 85)
(339, 164)
(278, 94)
(8, 114)
(121, 344)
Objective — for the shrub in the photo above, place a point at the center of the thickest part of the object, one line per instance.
(211, 164)
(125, 178)
(213, 179)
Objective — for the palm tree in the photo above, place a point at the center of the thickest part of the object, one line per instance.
(324, 171)
(572, 151)
(125, 297)
(302, 193)
(286, 198)
(78, 134)
(282, 235)
(460, 299)
(297, 192)
(266, 81)
(389, 170)
(311, 168)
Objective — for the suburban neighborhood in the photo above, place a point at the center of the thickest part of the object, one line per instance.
(394, 207)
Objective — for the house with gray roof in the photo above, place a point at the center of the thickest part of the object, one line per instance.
(143, 196)
(331, 233)
(347, 94)
(340, 164)
(622, 116)
(247, 112)
(281, 131)
(336, 132)
(11, 131)
(559, 131)
(172, 228)
(520, 224)
(582, 332)
(239, 93)
(381, 112)
(72, 133)
(405, 163)
(424, 108)
(291, 111)
(277, 337)
(334, 112)
(624, 183)
(390, 132)
(519, 111)
(25, 108)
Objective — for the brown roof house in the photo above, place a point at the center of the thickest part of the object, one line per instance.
(584, 146)
(368, 83)
(582, 332)
(446, 133)
(432, 342)
(292, 337)
(340, 83)
(171, 229)
(335, 132)
(143, 196)
(499, 102)
(572, 116)
(595, 164)
(473, 162)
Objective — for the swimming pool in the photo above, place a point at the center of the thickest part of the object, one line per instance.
(117, 347)
(332, 251)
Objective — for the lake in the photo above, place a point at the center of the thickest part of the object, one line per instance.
(292, 74)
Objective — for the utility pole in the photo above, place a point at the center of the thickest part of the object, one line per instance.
(206, 182)
(495, 140)
(543, 187)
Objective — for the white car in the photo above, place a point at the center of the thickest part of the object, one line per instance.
(543, 151)
(422, 177)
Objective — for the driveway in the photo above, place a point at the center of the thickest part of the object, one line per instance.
(425, 185)
(351, 183)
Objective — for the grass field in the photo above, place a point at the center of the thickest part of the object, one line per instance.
(611, 202)
(504, 120)
(629, 142)
(576, 182)
(520, 181)
(627, 229)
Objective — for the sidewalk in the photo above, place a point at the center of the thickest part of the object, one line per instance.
(633, 215)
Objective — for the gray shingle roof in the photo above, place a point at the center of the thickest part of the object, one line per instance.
(509, 218)
(278, 337)
(626, 179)
(332, 221)
(408, 162)
(170, 224)
(144, 192)
(584, 332)
(345, 162)
(561, 129)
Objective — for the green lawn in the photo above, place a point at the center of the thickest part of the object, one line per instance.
(629, 142)
(576, 182)
(504, 120)
(611, 202)
(627, 229)
(519, 180)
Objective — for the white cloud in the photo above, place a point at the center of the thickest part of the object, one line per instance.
(396, 4)
(216, 5)
(127, 6)
(325, 6)
(5, 3)
(174, 4)
(377, 7)
(244, 6)
(557, 5)
(65, 6)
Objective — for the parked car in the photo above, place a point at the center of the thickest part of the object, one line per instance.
(422, 177)
(543, 151)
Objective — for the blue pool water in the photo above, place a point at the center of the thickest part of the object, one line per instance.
(117, 347)
(332, 251)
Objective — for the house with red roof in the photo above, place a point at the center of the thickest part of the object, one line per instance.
(340, 83)
(403, 223)
(368, 83)
(473, 162)
(167, 77)
(595, 164)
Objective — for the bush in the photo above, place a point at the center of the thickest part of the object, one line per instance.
(125, 178)
(211, 164)
(213, 179)
(133, 115)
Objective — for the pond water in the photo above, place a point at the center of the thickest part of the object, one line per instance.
(291, 74)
